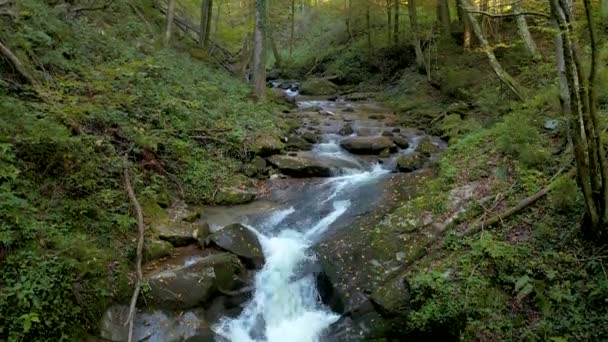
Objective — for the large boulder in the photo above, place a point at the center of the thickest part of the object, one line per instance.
(410, 162)
(393, 297)
(266, 145)
(234, 196)
(241, 241)
(401, 141)
(297, 143)
(178, 233)
(190, 285)
(157, 325)
(305, 164)
(318, 86)
(367, 145)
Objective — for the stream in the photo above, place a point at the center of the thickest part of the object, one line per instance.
(297, 214)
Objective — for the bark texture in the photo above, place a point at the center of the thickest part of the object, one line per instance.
(259, 51)
(170, 18)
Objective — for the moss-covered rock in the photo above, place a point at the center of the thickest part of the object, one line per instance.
(177, 233)
(318, 86)
(156, 249)
(234, 196)
(426, 146)
(367, 145)
(267, 145)
(297, 143)
(401, 141)
(256, 168)
(410, 162)
(393, 297)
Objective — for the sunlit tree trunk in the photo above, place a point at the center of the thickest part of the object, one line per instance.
(396, 23)
(524, 31)
(502, 74)
(259, 51)
(414, 27)
(170, 17)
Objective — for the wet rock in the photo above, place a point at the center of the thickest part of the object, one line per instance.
(191, 216)
(346, 130)
(396, 130)
(310, 137)
(377, 116)
(190, 285)
(387, 134)
(367, 145)
(551, 125)
(318, 86)
(297, 143)
(401, 142)
(241, 241)
(234, 196)
(364, 132)
(177, 233)
(266, 145)
(156, 326)
(156, 249)
(348, 109)
(256, 168)
(393, 297)
(426, 146)
(201, 233)
(410, 162)
(306, 164)
(385, 153)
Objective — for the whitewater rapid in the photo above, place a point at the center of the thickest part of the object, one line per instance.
(286, 305)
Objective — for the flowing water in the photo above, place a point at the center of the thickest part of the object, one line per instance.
(286, 305)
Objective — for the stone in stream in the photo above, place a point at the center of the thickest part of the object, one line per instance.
(318, 86)
(241, 241)
(305, 164)
(191, 285)
(346, 130)
(367, 145)
(297, 143)
(426, 146)
(348, 109)
(410, 162)
(157, 325)
(310, 137)
(234, 196)
(387, 134)
(401, 142)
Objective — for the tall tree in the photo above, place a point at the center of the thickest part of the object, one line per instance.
(259, 51)
(293, 27)
(502, 74)
(415, 33)
(206, 12)
(524, 31)
(589, 154)
(170, 18)
(444, 16)
(389, 22)
(396, 23)
(349, 13)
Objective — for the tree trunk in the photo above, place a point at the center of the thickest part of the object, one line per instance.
(170, 17)
(389, 21)
(217, 20)
(414, 27)
(524, 31)
(293, 27)
(466, 26)
(444, 17)
(396, 23)
(502, 74)
(369, 30)
(16, 63)
(275, 50)
(349, 12)
(259, 51)
(206, 9)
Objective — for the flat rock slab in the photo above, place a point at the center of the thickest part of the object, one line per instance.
(305, 164)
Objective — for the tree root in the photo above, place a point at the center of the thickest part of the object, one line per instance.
(140, 247)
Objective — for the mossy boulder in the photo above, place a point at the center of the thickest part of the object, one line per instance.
(239, 240)
(310, 137)
(234, 196)
(318, 86)
(426, 146)
(256, 168)
(267, 145)
(393, 297)
(367, 145)
(297, 143)
(401, 141)
(156, 249)
(410, 162)
(305, 164)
